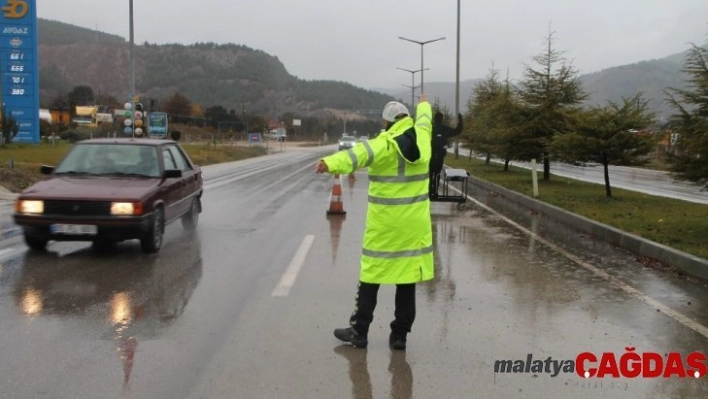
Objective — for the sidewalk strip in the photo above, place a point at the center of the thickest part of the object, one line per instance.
(614, 281)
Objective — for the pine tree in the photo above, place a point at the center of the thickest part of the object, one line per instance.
(611, 135)
(480, 118)
(496, 116)
(691, 120)
(549, 94)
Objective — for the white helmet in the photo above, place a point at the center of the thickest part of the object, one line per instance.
(393, 109)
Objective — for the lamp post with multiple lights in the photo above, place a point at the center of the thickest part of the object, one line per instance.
(421, 56)
(412, 86)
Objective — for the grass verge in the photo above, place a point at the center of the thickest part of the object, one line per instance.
(19, 163)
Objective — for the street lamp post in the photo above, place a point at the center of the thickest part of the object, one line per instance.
(421, 55)
(457, 80)
(132, 68)
(412, 86)
(412, 94)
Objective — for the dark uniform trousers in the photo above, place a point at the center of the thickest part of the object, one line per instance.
(436, 164)
(366, 303)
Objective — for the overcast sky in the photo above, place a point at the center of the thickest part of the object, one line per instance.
(358, 41)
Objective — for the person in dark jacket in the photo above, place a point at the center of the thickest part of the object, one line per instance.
(441, 134)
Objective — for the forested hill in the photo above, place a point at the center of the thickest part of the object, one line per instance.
(652, 78)
(208, 74)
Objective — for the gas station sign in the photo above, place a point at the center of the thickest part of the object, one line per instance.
(19, 69)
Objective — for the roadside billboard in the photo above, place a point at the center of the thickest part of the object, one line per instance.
(157, 124)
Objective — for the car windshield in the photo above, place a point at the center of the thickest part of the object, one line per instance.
(348, 138)
(110, 159)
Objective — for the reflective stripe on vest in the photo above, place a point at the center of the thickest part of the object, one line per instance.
(400, 178)
(370, 153)
(423, 123)
(355, 161)
(398, 201)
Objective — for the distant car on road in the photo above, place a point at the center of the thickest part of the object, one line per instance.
(346, 142)
(111, 190)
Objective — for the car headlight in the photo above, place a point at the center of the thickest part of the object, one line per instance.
(126, 208)
(29, 207)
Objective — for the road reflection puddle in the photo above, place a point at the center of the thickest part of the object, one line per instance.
(117, 294)
(31, 302)
(358, 371)
(398, 367)
(335, 230)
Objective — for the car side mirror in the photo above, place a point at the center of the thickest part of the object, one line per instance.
(170, 173)
(46, 169)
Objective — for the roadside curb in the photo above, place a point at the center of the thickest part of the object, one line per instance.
(683, 261)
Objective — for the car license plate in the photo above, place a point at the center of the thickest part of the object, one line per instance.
(74, 229)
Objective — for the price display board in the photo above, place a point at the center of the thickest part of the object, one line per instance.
(19, 67)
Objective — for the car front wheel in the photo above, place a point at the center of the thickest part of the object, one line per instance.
(191, 218)
(36, 242)
(152, 241)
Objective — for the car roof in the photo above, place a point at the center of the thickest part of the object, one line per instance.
(129, 140)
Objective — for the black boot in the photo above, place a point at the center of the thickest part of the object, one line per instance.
(362, 316)
(405, 315)
(350, 335)
(397, 342)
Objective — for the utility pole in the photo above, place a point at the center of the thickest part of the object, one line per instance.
(132, 68)
(412, 94)
(457, 80)
(243, 116)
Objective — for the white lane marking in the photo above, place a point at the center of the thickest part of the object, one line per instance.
(288, 278)
(617, 283)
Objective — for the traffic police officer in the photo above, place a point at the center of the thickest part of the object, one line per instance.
(397, 245)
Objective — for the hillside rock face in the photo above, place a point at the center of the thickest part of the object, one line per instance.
(102, 66)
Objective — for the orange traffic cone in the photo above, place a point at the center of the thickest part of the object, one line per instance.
(336, 206)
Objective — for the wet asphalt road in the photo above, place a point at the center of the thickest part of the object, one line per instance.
(245, 307)
(648, 181)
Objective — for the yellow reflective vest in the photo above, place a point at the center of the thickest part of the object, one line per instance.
(398, 239)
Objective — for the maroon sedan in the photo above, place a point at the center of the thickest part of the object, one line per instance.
(111, 190)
